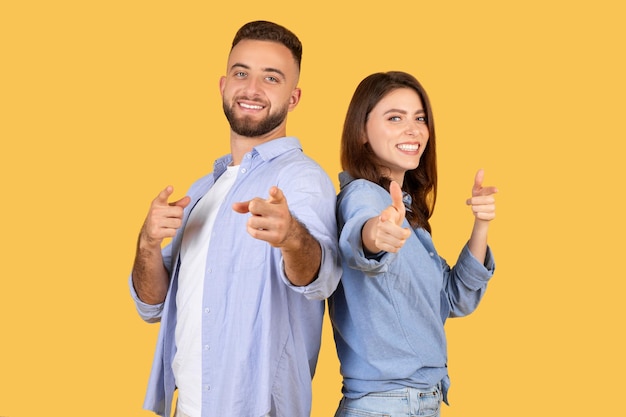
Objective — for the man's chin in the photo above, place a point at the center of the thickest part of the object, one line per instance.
(254, 125)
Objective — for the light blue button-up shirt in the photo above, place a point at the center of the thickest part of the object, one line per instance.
(264, 333)
(388, 311)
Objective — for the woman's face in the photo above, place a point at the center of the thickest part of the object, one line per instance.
(397, 131)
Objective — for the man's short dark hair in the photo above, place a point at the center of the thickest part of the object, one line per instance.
(262, 30)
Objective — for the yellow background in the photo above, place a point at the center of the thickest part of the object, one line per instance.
(104, 103)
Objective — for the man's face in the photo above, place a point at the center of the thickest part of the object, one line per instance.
(260, 88)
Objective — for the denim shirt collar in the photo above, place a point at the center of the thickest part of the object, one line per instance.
(345, 178)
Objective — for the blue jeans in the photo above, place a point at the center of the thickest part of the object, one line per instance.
(404, 402)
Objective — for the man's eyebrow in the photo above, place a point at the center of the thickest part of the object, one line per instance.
(239, 65)
(276, 70)
(268, 69)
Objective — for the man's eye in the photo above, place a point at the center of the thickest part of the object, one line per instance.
(272, 79)
(240, 74)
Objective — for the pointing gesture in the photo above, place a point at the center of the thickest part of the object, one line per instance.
(150, 278)
(271, 220)
(396, 211)
(482, 202)
(385, 232)
(163, 218)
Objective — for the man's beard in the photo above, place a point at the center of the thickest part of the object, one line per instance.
(245, 127)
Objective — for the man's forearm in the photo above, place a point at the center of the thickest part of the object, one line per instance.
(302, 255)
(150, 278)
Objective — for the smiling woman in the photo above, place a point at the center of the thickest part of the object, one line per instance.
(386, 110)
(397, 132)
(394, 282)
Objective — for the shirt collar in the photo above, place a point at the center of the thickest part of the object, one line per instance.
(267, 151)
(275, 147)
(345, 179)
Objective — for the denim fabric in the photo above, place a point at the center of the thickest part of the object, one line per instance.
(404, 402)
(388, 312)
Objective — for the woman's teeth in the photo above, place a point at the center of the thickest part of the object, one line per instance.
(408, 148)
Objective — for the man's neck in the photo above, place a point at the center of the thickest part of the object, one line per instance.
(241, 145)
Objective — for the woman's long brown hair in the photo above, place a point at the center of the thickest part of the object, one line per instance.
(358, 159)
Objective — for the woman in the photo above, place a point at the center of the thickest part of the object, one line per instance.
(396, 292)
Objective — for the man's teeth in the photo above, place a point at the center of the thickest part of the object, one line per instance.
(251, 106)
(409, 148)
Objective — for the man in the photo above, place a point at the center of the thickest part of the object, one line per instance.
(239, 290)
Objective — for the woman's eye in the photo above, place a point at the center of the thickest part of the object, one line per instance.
(395, 118)
(421, 119)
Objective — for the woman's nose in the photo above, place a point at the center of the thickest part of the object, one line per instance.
(412, 127)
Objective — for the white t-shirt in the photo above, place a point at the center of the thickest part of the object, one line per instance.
(187, 365)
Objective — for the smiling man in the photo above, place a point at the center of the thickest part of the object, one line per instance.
(257, 93)
(240, 289)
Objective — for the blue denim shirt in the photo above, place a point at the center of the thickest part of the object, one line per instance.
(261, 335)
(388, 313)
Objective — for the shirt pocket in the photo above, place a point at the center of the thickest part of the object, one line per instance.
(251, 255)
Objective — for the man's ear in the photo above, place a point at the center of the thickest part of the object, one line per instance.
(222, 84)
(294, 99)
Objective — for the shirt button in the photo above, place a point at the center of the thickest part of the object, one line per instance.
(243, 170)
(207, 347)
(207, 310)
(431, 253)
(207, 387)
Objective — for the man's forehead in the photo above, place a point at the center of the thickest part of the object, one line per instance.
(255, 54)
